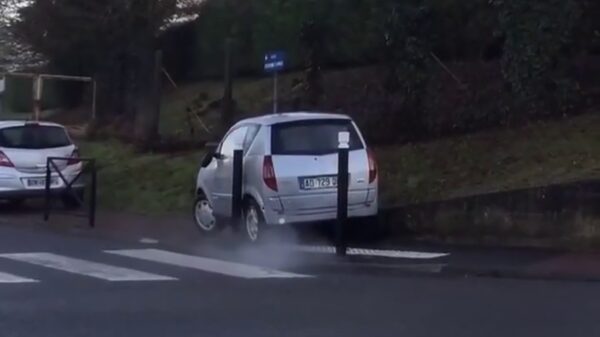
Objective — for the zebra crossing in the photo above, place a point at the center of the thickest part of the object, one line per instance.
(115, 273)
(205, 264)
(10, 278)
(87, 268)
(173, 263)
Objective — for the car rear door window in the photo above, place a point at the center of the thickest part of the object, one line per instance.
(312, 137)
(34, 137)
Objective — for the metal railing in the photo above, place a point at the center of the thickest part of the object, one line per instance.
(67, 186)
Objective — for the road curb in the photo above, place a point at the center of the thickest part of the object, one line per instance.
(518, 275)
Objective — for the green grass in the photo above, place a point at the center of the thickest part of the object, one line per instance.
(251, 95)
(539, 154)
(535, 155)
(146, 183)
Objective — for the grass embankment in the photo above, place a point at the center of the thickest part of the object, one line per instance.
(146, 183)
(534, 155)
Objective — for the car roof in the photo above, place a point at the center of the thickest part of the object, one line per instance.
(273, 119)
(10, 124)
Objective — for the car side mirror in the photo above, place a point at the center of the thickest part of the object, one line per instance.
(207, 159)
(211, 153)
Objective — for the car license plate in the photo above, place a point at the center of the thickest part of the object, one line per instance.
(318, 183)
(40, 182)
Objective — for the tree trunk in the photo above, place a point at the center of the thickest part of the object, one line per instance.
(148, 98)
(227, 105)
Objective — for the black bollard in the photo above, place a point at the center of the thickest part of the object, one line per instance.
(236, 193)
(342, 197)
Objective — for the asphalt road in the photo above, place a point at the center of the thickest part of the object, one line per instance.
(61, 285)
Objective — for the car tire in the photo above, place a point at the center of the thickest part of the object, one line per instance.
(253, 223)
(204, 218)
(70, 201)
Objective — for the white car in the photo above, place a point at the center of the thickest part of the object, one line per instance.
(290, 173)
(24, 150)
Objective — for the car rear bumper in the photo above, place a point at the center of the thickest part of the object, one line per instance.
(282, 217)
(30, 194)
(13, 187)
(318, 207)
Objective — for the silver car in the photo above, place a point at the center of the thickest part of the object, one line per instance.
(290, 166)
(24, 150)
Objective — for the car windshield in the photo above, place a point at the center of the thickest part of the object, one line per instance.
(34, 137)
(312, 137)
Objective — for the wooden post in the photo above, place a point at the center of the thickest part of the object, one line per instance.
(94, 93)
(157, 92)
(2, 89)
(37, 97)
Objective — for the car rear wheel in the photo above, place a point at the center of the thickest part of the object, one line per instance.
(253, 223)
(204, 216)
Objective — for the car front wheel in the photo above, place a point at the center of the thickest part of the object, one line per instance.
(204, 216)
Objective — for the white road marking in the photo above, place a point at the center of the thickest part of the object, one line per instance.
(397, 254)
(149, 241)
(87, 268)
(206, 264)
(10, 278)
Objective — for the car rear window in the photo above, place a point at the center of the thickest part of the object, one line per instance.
(34, 137)
(312, 137)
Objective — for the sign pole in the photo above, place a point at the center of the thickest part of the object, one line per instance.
(274, 63)
(275, 93)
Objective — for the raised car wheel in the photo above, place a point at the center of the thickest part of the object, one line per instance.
(204, 217)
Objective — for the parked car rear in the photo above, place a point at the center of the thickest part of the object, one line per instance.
(24, 150)
(290, 172)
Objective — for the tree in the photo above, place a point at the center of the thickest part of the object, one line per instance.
(408, 63)
(112, 40)
(536, 54)
(314, 35)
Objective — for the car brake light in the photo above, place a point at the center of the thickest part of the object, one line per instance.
(372, 167)
(5, 161)
(269, 173)
(74, 159)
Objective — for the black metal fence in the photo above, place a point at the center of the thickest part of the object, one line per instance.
(72, 188)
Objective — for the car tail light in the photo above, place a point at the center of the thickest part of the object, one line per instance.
(5, 161)
(269, 173)
(372, 166)
(74, 159)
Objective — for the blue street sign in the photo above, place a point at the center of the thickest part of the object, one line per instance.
(274, 61)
